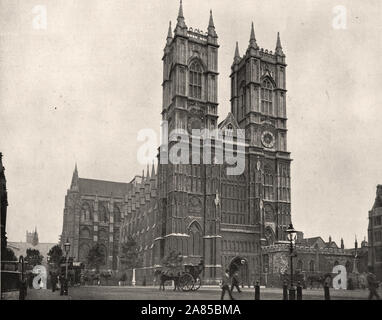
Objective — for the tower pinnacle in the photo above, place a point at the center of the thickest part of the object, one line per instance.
(211, 29)
(252, 39)
(211, 22)
(181, 28)
(153, 171)
(169, 33)
(180, 20)
(74, 184)
(279, 48)
(237, 54)
(148, 173)
(180, 14)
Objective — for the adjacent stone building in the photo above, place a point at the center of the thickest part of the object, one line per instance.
(313, 257)
(94, 210)
(31, 242)
(375, 235)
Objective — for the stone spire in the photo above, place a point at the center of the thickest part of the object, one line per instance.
(342, 244)
(74, 184)
(279, 48)
(148, 173)
(169, 34)
(211, 27)
(252, 39)
(237, 58)
(153, 171)
(181, 27)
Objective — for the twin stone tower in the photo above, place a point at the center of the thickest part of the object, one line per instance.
(197, 209)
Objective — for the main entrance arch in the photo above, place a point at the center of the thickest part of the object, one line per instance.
(239, 264)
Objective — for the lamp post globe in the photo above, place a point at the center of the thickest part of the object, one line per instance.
(67, 250)
(291, 234)
(67, 246)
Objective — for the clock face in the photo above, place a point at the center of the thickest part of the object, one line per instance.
(268, 139)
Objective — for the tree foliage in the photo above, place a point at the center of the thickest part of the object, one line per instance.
(96, 257)
(55, 254)
(33, 257)
(7, 254)
(129, 256)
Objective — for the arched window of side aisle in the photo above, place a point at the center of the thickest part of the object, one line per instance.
(195, 240)
(267, 97)
(311, 266)
(195, 80)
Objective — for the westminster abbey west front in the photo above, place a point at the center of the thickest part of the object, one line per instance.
(198, 210)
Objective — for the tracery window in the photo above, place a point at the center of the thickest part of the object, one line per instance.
(102, 214)
(195, 80)
(267, 97)
(117, 214)
(86, 212)
(311, 266)
(195, 240)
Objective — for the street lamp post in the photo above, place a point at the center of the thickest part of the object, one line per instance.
(292, 238)
(67, 249)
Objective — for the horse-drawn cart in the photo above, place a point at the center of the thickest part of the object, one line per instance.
(186, 277)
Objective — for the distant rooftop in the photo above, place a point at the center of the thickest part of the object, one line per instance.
(103, 188)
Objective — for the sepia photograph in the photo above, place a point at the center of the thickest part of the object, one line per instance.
(191, 150)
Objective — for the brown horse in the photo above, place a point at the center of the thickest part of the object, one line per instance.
(167, 276)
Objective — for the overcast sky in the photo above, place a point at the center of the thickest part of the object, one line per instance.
(80, 90)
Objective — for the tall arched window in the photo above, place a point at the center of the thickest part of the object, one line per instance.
(267, 97)
(195, 80)
(311, 266)
(195, 242)
(117, 214)
(102, 213)
(85, 212)
(268, 184)
(242, 100)
(300, 265)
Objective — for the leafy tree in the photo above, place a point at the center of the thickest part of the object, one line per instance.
(33, 257)
(96, 257)
(129, 256)
(55, 254)
(7, 254)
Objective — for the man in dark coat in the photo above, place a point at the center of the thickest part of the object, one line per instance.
(53, 278)
(226, 282)
(235, 282)
(373, 286)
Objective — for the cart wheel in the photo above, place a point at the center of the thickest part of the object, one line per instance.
(197, 284)
(187, 282)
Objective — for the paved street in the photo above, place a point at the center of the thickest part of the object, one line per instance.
(206, 293)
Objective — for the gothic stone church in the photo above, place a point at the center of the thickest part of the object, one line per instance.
(175, 208)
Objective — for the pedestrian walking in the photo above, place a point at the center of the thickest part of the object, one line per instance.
(235, 282)
(226, 281)
(373, 285)
(53, 278)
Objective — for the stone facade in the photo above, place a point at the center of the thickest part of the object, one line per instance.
(375, 235)
(253, 207)
(94, 210)
(31, 242)
(198, 209)
(313, 256)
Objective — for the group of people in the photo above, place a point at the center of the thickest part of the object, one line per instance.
(230, 282)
